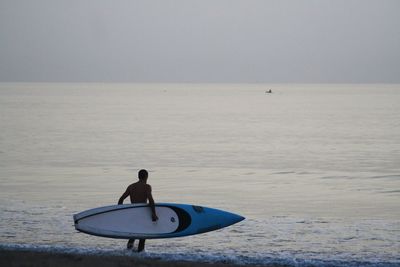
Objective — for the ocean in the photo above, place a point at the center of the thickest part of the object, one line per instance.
(315, 169)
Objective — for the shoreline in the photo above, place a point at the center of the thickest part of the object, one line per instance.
(33, 258)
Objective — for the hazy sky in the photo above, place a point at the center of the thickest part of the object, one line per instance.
(200, 41)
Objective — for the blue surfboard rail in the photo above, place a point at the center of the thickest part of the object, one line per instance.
(193, 220)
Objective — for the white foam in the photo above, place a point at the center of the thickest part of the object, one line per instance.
(200, 256)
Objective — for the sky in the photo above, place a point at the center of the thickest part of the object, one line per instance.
(210, 41)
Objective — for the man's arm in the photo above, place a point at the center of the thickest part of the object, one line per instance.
(124, 195)
(152, 206)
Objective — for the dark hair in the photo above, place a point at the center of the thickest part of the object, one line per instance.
(143, 174)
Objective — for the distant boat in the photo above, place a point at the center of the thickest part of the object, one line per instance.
(268, 91)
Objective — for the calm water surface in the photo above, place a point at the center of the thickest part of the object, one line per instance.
(315, 169)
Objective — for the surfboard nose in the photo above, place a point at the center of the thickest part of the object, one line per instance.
(239, 218)
(235, 218)
(227, 218)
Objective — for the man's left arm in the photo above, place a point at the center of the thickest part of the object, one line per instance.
(124, 195)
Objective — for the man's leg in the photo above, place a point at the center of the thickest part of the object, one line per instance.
(141, 245)
(130, 243)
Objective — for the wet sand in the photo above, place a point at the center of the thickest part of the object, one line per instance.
(14, 258)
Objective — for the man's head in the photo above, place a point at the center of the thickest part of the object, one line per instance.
(143, 174)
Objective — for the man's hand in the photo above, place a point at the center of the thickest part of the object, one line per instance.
(154, 217)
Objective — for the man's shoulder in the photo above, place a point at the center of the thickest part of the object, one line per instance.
(132, 185)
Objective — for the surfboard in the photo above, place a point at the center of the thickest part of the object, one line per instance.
(134, 221)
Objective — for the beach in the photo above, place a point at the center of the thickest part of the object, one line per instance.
(223, 133)
(31, 258)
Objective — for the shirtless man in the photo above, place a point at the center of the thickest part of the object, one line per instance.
(140, 192)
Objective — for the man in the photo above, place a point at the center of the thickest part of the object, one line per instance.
(140, 192)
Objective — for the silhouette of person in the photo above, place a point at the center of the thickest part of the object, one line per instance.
(140, 192)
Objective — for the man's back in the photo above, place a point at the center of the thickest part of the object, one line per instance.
(139, 192)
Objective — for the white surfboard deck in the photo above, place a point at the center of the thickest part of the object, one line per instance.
(131, 220)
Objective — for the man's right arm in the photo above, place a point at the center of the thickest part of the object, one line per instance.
(152, 205)
(124, 195)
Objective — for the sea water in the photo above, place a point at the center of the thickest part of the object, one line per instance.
(315, 169)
